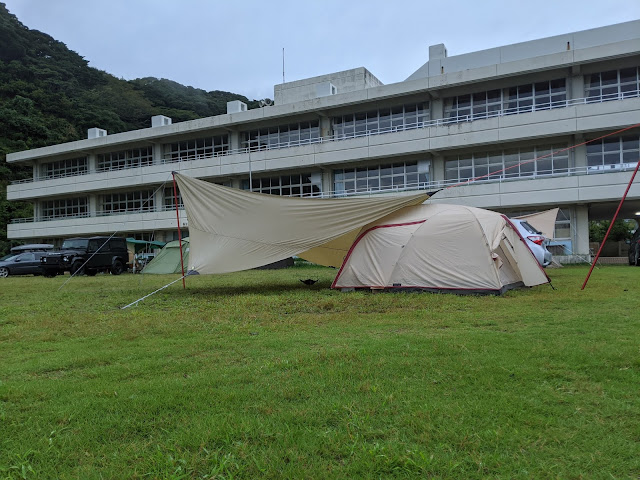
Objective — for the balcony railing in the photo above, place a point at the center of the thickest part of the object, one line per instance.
(409, 187)
(439, 122)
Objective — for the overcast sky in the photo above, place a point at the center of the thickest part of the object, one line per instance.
(236, 46)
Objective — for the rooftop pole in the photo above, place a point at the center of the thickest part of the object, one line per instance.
(175, 196)
(611, 225)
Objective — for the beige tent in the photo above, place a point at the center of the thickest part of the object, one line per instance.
(440, 248)
(232, 230)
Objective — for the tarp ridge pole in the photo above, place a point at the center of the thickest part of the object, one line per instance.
(611, 225)
(175, 196)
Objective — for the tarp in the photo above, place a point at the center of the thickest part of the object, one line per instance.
(232, 230)
(440, 247)
(545, 221)
(139, 245)
(168, 259)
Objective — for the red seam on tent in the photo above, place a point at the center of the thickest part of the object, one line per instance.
(525, 243)
(344, 262)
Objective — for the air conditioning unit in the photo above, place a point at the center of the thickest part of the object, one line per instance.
(96, 133)
(236, 106)
(160, 121)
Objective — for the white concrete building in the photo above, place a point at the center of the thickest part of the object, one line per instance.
(515, 118)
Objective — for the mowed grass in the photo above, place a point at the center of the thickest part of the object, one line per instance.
(255, 375)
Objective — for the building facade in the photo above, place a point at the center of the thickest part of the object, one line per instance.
(517, 129)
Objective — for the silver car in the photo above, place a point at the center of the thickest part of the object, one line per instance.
(534, 239)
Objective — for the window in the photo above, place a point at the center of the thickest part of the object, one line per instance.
(399, 175)
(127, 202)
(513, 163)
(170, 198)
(188, 150)
(537, 96)
(612, 85)
(297, 185)
(472, 107)
(282, 136)
(613, 153)
(384, 120)
(136, 157)
(66, 207)
(65, 168)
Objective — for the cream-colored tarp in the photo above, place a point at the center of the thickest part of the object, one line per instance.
(440, 247)
(232, 230)
(545, 221)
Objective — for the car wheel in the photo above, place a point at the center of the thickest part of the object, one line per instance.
(637, 262)
(4, 272)
(117, 268)
(76, 268)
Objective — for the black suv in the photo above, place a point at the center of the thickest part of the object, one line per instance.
(99, 253)
(634, 248)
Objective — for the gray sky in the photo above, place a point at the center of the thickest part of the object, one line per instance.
(236, 46)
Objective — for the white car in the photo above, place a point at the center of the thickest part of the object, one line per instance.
(536, 242)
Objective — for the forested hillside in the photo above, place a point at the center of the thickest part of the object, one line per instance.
(49, 95)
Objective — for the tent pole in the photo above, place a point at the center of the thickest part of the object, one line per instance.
(175, 196)
(611, 225)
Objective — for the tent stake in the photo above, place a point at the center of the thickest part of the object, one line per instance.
(611, 225)
(175, 196)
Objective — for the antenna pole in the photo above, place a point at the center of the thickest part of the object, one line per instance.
(282, 64)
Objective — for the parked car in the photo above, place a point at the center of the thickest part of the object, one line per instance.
(634, 249)
(22, 264)
(87, 255)
(536, 242)
(32, 247)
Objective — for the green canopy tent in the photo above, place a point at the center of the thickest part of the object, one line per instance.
(136, 246)
(168, 259)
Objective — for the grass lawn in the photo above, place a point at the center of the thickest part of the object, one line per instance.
(255, 375)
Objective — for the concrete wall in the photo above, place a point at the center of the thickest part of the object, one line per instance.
(345, 82)
(558, 45)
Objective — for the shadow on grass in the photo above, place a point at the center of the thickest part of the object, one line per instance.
(261, 289)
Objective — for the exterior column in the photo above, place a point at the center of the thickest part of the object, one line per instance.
(157, 153)
(325, 126)
(327, 183)
(581, 234)
(92, 163)
(436, 109)
(580, 152)
(36, 171)
(437, 169)
(158, 200)
(575, 89)
(234, 140)
(93, 205)
(37, 210)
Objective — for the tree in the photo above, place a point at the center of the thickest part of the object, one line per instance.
(621, 231)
